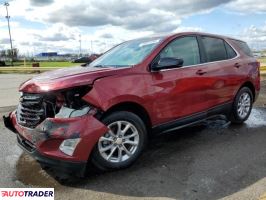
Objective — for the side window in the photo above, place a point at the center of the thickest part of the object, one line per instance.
(244, 47)
(215, 49)
(230, 51)
(185, 48)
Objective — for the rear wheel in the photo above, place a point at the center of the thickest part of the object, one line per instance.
(122, 144)
(242, 105)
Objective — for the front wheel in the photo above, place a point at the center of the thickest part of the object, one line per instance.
(122, 144)
(242, 105)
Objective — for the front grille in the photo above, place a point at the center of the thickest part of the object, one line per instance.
(30, 110)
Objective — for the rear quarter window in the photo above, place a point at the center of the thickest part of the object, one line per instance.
(230, 51)
(243, 46)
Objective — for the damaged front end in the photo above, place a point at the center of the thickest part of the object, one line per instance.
(58, 129)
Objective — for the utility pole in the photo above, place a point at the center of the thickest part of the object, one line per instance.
(91, 48)
(79, 45)
(6, 4)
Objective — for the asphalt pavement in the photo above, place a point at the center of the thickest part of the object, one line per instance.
(211, 161)
(9, 84)
(205, 162)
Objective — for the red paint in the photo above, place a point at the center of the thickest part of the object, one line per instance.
(50, 146)
(165, 95)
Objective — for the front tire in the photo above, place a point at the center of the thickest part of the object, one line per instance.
(242, 106)
(122, 144)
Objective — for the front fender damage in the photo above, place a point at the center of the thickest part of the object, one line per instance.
(49, 134)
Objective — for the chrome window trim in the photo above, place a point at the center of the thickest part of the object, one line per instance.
(206, 63)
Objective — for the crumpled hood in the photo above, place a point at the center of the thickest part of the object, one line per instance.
(65, 78)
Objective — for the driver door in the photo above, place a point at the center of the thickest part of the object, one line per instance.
(180, 92)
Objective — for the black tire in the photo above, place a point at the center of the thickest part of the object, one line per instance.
(235, 116)
(100, 162)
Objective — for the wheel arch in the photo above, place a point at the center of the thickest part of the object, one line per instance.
(133, 107)
(249, 85)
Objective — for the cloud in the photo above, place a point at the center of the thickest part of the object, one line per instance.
(158, 16)
(12, 24)
(41, 2)
(2, 24)
(55, 37)
(24, 43)
(107, 35)
(248, 6)
(56, 33)
(188, 28)
(189, 7)
(103, 24)
(4, 41)
(255, 36)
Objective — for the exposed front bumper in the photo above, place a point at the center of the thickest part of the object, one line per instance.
(75, 168)
(43, 141)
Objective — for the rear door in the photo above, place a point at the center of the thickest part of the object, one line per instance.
(221, 63)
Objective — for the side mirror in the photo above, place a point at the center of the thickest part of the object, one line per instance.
(168, 63)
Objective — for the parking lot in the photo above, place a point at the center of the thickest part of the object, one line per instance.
(211, 161)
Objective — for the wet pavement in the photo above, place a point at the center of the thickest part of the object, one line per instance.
(9, 155)
(212, 161)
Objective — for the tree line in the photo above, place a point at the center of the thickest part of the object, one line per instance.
(9, 54)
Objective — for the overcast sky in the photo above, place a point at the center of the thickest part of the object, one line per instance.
(55, 25)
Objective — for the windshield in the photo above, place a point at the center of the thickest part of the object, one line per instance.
(127, 54)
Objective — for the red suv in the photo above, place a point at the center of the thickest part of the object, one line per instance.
(103, 112)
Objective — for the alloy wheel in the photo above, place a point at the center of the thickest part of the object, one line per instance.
(244, 105)
(120, 142)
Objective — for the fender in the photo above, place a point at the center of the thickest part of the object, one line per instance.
(106, 93)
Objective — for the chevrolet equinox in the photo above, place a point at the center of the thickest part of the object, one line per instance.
(102, 112)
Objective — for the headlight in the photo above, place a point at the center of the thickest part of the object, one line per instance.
(68, 146)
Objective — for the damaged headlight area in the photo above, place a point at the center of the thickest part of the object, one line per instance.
(66, 112)
(35, 108)
(72, 105)
(73, 97)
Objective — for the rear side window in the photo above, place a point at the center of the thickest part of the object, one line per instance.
(215, 49)
(230, 51)
(244, 47)
(185, 48)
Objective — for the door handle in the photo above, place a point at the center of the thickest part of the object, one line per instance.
(237, 65)
(200, 72)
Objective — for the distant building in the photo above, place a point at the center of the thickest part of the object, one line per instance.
(47, 54)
